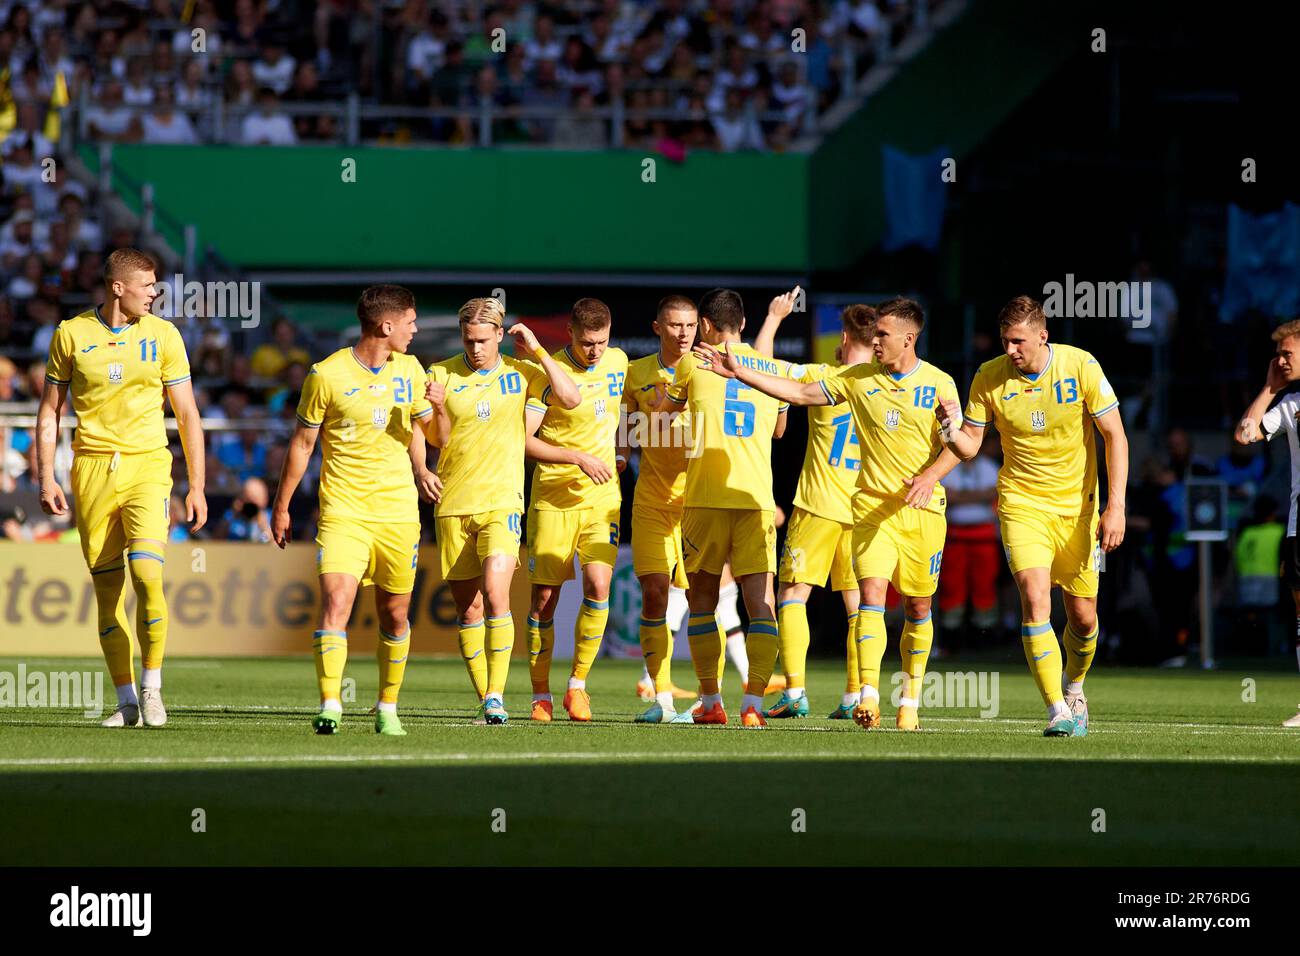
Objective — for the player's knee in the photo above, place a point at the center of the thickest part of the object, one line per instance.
(654, 599)
(918, 607)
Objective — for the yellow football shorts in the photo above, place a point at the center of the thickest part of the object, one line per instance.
(118, 498)
(898, 543)
(657, 543)
(380, 553)
(554, 537)
(465, 541)
(711, 536)
(1065, 544)
(817, 548)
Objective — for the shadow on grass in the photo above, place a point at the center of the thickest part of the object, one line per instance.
(885, 812)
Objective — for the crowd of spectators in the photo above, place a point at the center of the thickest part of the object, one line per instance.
(723, 74)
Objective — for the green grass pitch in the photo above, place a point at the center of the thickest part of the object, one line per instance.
(1184, 770)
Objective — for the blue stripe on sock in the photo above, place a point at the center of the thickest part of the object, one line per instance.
(878, 608)
(918, 620)
(696, 629)
(791, 601)
(144, 554)
(762, 627)
(1033, 630)
(653, 622)
(596, 605)
(500, 620)
(323, 633)
(117, 567)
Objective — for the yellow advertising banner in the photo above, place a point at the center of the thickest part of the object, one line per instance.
(223, 598)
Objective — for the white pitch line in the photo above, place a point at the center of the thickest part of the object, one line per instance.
(580, 756)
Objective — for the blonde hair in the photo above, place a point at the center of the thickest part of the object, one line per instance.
(1286, 330)
(484, 311)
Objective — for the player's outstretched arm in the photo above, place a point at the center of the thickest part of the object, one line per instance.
(1110, 531)
(301, 446)
(782, 389)
(777, 310)
(779, 429)
(47, 438)
(190, 426)
(1248, 429)
(962, 436)
(563, 388)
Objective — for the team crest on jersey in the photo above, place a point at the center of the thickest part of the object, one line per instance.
(1038, 420)
(484, 409)
(379, 417)
(891, 418)
(600, 408)
(115, 372)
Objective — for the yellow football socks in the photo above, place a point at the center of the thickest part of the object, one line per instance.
(871, 644)
(708, 643)
(114, 638)
(471, 650)
(1078, 653)
(392, 653)
(851, 681)
(761, 642)
(331, 651)
(792, 617)
(914, 648)
(151, 607)
(541, 642)
(500, 640)
(588, 630)
(1043, 658)
(656, 648)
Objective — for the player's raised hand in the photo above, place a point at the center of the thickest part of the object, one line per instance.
(525, 341)
(280, 530)
(196, 509)
(435, 393)
(1277, 377)
(1110, 530)
(782, 305)
(948, 412)
(724, 363)
(52, 500)
(594, 468)
(920, 490)
(429, 486)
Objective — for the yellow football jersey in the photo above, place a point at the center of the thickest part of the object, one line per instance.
(482, 466)
(661, 479)
(729, 463)
(117, 377)
(893, 415)
(832, 458)
(592, 427)
(365, 416)
(1049, 454)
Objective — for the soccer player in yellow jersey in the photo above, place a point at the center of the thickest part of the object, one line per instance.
(729, 511)
(898, 509)
(478, 399)
(660, 491)
(574, 505)
(819, 538)
(1041, 398)
(119, 361)
(365, 401)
